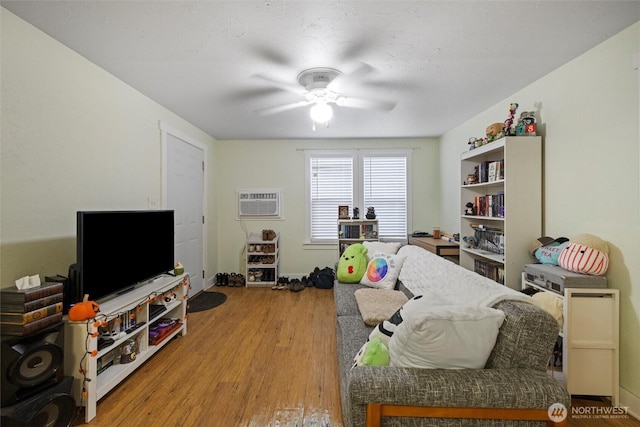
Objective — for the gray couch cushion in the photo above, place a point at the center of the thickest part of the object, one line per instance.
(343, 295)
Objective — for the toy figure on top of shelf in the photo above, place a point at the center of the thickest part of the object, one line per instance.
(371, 213)
(508, 124)
(527, 124)
(356, 213)
(476, 142)
(494, 131)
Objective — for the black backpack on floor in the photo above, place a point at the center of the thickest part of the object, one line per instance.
(324, 278)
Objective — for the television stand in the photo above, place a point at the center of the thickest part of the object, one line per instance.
(126, 320)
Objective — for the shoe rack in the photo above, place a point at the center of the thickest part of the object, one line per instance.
(262, 253)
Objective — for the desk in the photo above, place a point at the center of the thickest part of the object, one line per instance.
(448, 250)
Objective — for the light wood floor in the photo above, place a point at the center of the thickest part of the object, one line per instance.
(264, 358)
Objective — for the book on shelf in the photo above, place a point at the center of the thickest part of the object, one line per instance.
(31, 305)
(29, 328)
(15, 295)
(30, 316)
(350, 231)
(491, 205)
(25, 307)
(490, 270)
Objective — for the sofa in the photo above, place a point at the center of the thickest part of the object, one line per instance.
(514, 375)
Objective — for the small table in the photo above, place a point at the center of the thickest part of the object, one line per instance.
(443, 248)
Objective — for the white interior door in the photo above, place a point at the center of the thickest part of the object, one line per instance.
(185, 195)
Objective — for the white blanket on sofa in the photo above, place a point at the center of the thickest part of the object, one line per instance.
(424, 273)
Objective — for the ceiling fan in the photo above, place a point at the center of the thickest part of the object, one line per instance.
(321, 87)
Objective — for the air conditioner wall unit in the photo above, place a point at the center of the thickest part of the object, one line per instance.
(259, 203)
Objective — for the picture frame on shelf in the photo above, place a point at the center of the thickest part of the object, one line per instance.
(343, 212)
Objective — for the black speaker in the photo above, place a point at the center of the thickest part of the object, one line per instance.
(31, 364)
(53, 407)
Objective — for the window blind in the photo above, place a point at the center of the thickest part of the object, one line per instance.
(357, 179)
(385, 188)
(331, 186)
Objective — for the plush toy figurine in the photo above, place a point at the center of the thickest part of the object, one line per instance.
(586, 254)
(352, 264)
(494, 131)
(373, 353)
(84, 310)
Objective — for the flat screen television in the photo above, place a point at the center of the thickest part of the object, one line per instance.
(117, 250)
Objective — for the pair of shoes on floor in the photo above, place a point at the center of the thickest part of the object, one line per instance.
(233, 280)
(283, 283)
(236, 280)
(295, 285)
(306, 281)
(222, 279)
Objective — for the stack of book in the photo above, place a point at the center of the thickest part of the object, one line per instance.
(25, 311)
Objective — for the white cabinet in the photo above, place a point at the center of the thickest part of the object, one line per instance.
(590, 356)
(262, 258)
(590, 340)
(352, 231)
(503, 180)
(139, 322)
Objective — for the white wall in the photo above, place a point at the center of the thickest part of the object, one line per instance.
(589, 120)
(280, 164)
(73, 137)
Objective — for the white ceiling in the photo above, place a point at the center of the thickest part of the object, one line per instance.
(442, 62)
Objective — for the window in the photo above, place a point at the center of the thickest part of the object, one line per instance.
(357, 179)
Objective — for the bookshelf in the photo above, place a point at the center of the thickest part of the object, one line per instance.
(352, 231)
(503, 182)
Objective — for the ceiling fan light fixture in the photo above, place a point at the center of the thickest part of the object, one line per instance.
(321, 112)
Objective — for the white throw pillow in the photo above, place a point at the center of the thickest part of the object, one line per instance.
(417, 304)
(446, 337)
(381, 248)
(382, 271)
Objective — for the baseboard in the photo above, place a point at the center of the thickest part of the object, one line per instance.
(631, 402)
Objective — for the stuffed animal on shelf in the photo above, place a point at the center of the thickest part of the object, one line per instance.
(586, 254)
(352, 264)
(494, 131)
(84, 310)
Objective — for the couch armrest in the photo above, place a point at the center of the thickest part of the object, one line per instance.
(476, 388)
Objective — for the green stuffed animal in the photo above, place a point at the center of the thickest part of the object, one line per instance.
(352, 264)
(373, 353)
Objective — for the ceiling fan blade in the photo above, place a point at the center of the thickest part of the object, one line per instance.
(366, 104)
(280, 108)
(289, 87)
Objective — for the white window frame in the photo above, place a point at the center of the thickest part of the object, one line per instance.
(358, 189)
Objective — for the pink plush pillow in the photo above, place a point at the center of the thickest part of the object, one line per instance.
(583, 259)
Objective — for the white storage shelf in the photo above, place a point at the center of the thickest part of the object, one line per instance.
(521, 186)
(260, 274)
(81, 338)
